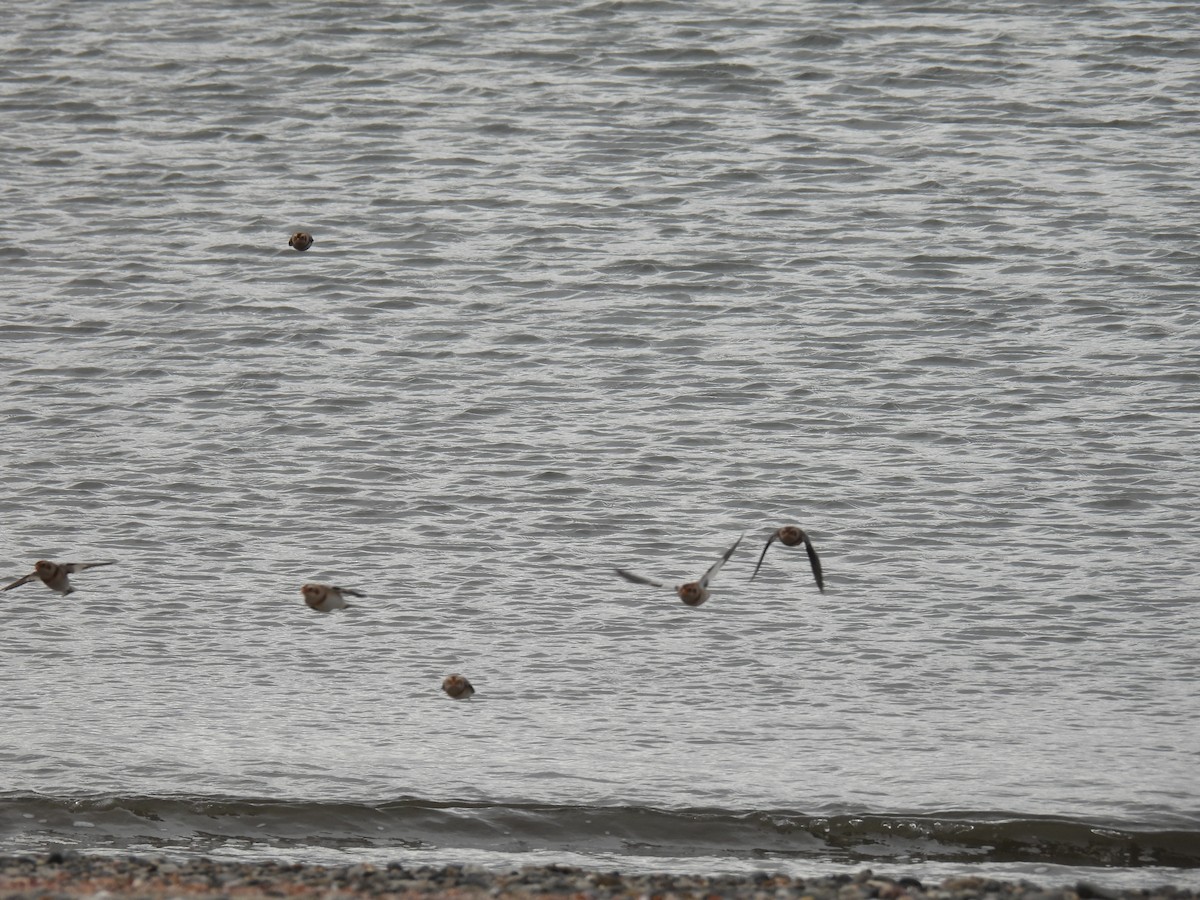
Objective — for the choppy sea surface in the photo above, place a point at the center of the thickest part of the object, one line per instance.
(597, 285)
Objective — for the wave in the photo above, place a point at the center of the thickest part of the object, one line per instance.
(207, 825)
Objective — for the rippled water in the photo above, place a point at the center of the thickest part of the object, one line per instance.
(596, 285)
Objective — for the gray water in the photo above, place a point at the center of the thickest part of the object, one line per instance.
(597, 285)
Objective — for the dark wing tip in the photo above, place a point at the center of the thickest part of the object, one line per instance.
(815, 562)
(763, 555)
(80, 567)
(636, 579)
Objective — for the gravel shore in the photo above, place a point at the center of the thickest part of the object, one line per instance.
(66, 875)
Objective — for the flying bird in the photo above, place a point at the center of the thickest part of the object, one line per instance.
(326, 597)
(694, 593)
(457, 687)
(301, 240)
(54, 575)
(790, 536)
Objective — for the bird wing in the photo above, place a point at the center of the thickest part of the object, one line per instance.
(815, 561)
(350, 592)
(716, 567)
(637, 579)
(79, 567)
(20, 581)
(770, 540)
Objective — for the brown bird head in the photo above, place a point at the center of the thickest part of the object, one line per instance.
(790, 535)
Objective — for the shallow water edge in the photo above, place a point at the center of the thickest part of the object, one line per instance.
(647, 840)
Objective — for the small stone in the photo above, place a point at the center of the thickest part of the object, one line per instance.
(965, 883)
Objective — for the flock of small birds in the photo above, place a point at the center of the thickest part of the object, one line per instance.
(327, 597)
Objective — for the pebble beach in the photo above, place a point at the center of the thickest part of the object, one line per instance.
(60, 874)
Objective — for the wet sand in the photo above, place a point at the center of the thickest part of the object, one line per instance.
(68, 874)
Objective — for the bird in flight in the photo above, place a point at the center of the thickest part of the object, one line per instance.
(458, 687)
(326, 597)
(54, 575)
(694, 593)
(790, 536)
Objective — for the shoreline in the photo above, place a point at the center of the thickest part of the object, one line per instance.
(66, 874)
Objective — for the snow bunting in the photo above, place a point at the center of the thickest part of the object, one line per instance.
(457, 687)
(693, 593)
(54, 575)
(301, 240)
(326, 597)
(790, 536)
